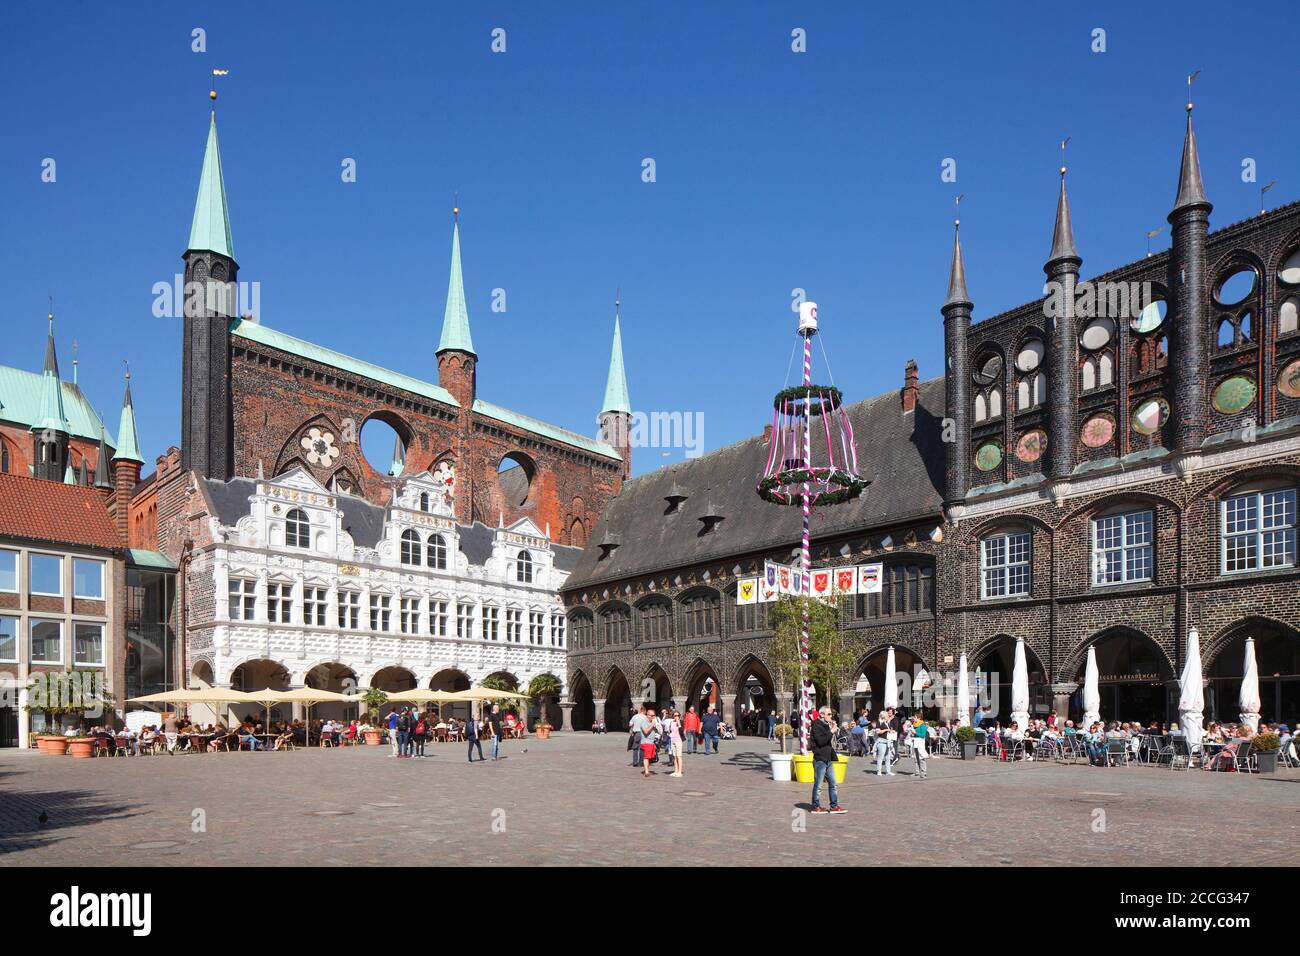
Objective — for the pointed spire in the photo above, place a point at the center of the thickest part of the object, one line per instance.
(455, 319)
(1191, 192)
(210, 231)
(957, 273)
(51, 415)
(128, 445)
(1063, 234)
(69, 476)
(101, 463)
(616, 398)
(399, 457)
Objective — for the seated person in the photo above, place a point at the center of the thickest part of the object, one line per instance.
(247, 738)
(283, 739)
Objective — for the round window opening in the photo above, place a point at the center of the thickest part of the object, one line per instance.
(382, 447)
(1097, 334)
(1290, 271)
(1151, 317)
(988, 369)
(515, 478)
(1030, 356)
(1236, 287)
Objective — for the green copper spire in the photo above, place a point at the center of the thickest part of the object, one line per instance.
(455, 320)
(101, 463)
(128, 447)
(69, 476)
(399, 457)
(51, 415)
(211, 229)
(616, 399)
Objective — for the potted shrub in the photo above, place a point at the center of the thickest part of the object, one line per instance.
(374, 699)
(967, 738)
(542, 689)
(53, 744)
(82, 746)
(1265, 747)
(543, 730)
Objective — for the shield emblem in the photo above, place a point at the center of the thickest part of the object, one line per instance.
(844, 580)
(785, 580)
(821, 582)
(747, 591)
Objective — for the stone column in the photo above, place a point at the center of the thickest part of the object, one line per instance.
(846, 706)
(221, 588)
(566, 715)
(727, 707)
(598, 708)
(1061, 694)
(679, 704)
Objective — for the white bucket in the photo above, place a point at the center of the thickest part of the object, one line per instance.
(781, 766)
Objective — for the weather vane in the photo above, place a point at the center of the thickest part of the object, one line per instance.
(1064, 143)
(212, 93)
(957, 222)
(1265, 189)
(1151, 235)
(1191, 77)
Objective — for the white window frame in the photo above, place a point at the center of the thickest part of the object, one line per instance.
(349, 609)
(1006, 565)
(102, 652)
(31, 624)
(524, 567)
(33, 555)
(315, 602)
(17, 638)
(437, 617)
(242, 599)
(558, 626)
(279, 602)
(290, 521)
(1258, 534)
(88, 597)
(18, 571)
(537, 628)
(488, 630)
(381, 607)
(1127, 521)
(514, 625)
(408, 620)
(464, 621)
(409, 549)
(435, 552)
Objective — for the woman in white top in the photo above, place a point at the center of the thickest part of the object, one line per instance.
(673, 733)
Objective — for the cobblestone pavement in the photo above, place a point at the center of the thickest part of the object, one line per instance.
(574, 800)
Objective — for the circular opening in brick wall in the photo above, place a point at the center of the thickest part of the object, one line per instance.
(382, 446)
(515, 478)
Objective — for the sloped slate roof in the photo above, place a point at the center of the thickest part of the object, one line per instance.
(903, 454)
(51, 511)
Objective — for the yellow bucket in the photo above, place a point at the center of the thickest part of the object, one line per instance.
(803, 768)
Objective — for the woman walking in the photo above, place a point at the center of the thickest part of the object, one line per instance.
(920, 735)
(650, 734)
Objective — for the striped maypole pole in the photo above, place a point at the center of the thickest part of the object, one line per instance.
(805, 557)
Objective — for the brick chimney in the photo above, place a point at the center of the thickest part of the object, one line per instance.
(910, 388)
(767, 433)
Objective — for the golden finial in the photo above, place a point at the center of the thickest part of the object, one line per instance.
(455, 205)
(212, 93)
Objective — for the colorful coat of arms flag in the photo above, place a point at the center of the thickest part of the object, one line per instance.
(747, 591)
(846, 581)
(822, 583)
(870, 579)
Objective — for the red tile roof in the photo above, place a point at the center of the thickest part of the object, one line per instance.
(51, 511)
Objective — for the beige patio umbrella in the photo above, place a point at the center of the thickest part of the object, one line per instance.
(422, 696)
(193, 695)
(309, 696)
(484, 693)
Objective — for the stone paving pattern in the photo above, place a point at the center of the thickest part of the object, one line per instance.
(574, 799)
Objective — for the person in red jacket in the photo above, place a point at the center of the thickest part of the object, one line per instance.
(691, 729)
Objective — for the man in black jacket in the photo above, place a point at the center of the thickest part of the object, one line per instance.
(822, 741)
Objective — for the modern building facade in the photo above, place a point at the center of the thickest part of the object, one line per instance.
(1111, 467)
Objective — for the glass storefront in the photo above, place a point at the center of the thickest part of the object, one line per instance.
(150, 632)
(1133, 678)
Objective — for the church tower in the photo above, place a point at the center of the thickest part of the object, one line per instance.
(207, 433)
(956, 323)
(50, 431)
(616, 410)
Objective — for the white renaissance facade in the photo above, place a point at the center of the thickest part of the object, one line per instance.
(304, 586)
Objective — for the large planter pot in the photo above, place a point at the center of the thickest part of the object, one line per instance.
(1266, 761)
(373, 737)
(803, 767)
(54, 746)
(82, 747)
(968, 749)
(542, 731)
(782, 765)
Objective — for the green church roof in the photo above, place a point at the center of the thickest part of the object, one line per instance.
(455, 320)
(50, 414)
(20, 404)
(129, 449)
(616, 399)
(210, 231)
(554, 432)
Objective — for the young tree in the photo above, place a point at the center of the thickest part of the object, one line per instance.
(829, 657)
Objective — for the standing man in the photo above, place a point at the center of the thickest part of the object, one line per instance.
(709, 724)
(822, 742)
(638, 726)
(691, 728)
(771, 725)
(494, 721)
(392, 731)
(884, 752)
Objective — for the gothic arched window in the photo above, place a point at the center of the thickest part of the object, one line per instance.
(424, 501)
(297, 529)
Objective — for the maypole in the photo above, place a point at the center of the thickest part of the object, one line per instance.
(831, 479)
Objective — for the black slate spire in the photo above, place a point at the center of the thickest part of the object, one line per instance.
(1191, 191)
(1063, 234)
(957, 273)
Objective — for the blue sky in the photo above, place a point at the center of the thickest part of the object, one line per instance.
(774, 170)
